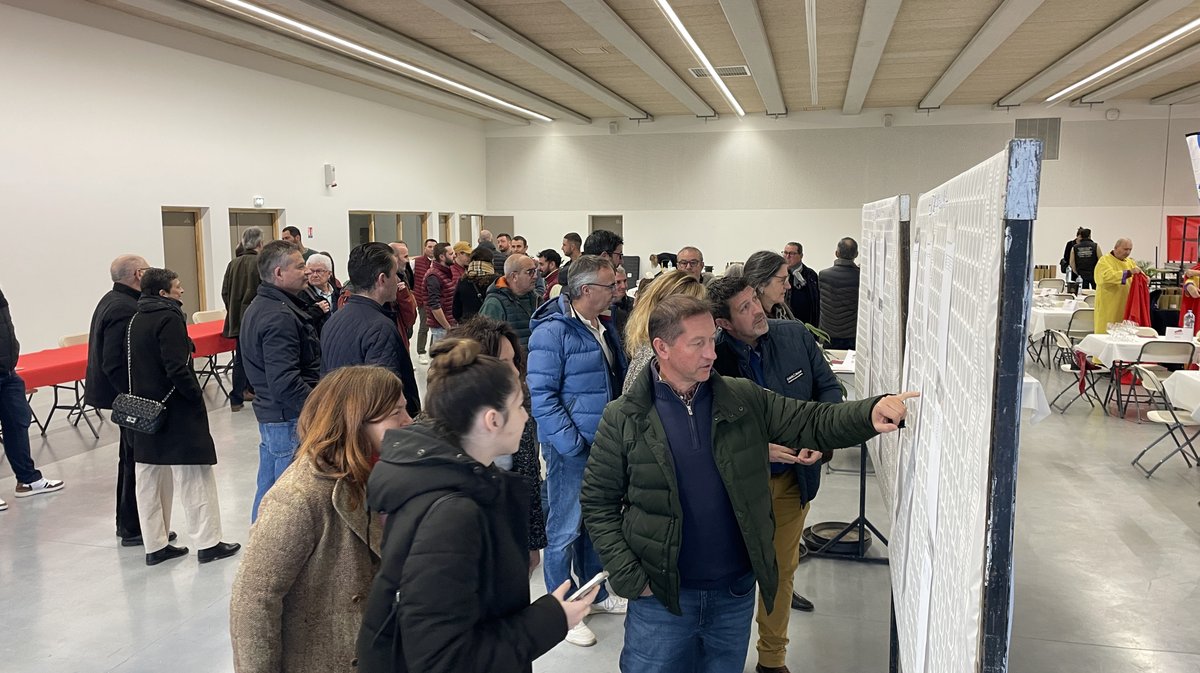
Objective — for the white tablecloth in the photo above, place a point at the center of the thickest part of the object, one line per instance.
(1042, 319)
(1183, 389)
(1102, 347)
(1033, 398)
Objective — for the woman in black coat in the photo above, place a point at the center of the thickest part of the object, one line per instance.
(452, 592)
(181, 454)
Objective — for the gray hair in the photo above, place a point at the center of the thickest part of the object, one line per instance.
(585, 271)
(251, 238)
(274, 255)
(735, 270)
(124, 267)
(320, 259)
(513, 262)
(761, 267)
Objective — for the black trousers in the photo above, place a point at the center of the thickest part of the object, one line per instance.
(237, 391)
(128, 524)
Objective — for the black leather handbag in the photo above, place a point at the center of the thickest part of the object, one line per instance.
(139, 414)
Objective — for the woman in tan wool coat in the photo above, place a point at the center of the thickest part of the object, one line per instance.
(299, 594)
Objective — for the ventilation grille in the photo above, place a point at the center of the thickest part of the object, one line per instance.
(1045, 129)
(722, 71)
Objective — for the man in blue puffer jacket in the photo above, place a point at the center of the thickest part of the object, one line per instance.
(576, 367)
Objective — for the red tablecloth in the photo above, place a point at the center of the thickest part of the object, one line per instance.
(208, 339)
(55, 365)
(64, 365)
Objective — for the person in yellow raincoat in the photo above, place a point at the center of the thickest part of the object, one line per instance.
(1113, 272)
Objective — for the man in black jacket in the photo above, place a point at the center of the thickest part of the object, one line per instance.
(362, 332)
(804, 286)
(781, 356)
(839, 296)
(238, 289)
(15, 414)
(107, 377)
(282, 356)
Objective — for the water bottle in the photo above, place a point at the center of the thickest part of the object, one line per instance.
(1189, 321)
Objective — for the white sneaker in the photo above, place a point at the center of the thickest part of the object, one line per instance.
(613, 605)
(40, 486)
(423, 358)
(581, 635)
(3, 505)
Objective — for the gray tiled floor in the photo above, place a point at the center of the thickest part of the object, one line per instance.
(1107, 563)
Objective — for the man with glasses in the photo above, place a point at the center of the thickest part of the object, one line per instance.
(512, 298)
(804, 286)
(107, 377)
(601, 243)
(576, 367)
(691, 261)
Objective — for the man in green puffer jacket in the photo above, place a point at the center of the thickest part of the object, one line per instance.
(676, 497)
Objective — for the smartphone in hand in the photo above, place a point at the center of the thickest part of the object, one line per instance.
(591, 584)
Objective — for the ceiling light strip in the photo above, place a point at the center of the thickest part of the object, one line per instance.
(379, 56)
(1160, 42)
(810, 19)
(699, 54)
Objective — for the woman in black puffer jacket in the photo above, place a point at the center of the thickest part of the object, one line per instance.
(452, 593)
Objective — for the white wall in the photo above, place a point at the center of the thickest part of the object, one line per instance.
(735, 186)
(102, 130)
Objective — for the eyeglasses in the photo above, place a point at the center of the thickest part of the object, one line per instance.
(610, 287)
(530, 272)
(691, 262)
(790, 254)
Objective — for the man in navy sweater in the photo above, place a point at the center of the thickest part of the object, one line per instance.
(783, 357)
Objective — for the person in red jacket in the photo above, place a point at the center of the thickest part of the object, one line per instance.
(440, 284)
(420, 268)
(405, 303)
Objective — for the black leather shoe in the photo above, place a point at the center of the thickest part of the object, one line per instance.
(166, 553)
(801, 603)
(218, 551)
(136, 540)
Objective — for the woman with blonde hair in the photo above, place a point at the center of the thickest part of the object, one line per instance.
(637, 330)
(299, 595)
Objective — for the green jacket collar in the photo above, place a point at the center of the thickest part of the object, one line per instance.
(726, 406)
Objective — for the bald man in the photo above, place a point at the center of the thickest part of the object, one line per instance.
(107, 376)
(1113, 273)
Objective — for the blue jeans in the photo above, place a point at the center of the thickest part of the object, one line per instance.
(569, 554)
(15, 418)
(712, 636)
(275, 453)
(436, 334)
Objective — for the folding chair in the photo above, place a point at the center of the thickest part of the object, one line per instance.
(1090, 300)
(1052, 283)
(1087, 374)
(212, 369)
(1062, 296)
(77, 409)
(1169, 418)
(1082, 324)
(1151, 356)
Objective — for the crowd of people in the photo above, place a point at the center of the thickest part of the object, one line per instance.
(681, 431)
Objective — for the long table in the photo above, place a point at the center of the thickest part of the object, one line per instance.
(55, 367)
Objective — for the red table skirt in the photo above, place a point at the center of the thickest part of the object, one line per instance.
(65, 365)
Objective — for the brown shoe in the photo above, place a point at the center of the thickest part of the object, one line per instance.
(771, 669)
